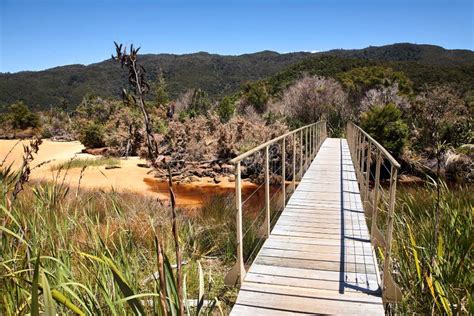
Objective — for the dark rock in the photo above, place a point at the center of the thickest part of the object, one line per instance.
(112, 167)
(96, 151)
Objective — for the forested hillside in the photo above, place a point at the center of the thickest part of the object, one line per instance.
(212, 73)
(220, 75)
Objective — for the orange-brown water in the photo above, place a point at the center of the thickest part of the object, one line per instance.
(128, 178)
(197, 193)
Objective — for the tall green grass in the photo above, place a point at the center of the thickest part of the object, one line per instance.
(436, 277)
(87, 162)
(94, 254)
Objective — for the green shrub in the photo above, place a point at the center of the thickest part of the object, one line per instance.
(359, 80)
(226, 109)
(387, 127)
(161, 91)
(160, 127)
(22, 117)
(200, 104)
(256, 95)
(92, 136)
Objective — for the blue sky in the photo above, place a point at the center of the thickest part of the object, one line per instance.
(40, 34)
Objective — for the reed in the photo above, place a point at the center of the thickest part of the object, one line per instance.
(436, 277)
(97, 253)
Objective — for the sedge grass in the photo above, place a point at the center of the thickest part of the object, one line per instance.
(436, 277)
(87, 162)
(92, 252)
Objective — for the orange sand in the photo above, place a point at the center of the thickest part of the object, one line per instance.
(129, 177)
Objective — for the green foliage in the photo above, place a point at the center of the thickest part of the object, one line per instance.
(87, 162)
(92, 136)
(434, 279)
(215, 74)
(95, 109)
(226, 109)
(256, 95)
(385, 124)
(161, 91)
(95, 252)
(220, 75)
(442, 117)
(160, 127)
(21, 116)
(200, 104)
(359, 80)
(271, 117)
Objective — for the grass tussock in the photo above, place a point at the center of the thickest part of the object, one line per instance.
(87, 162)
(435, 275)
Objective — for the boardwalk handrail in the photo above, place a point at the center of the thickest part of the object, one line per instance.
(362, 148)
(270, 142)
(310, 139)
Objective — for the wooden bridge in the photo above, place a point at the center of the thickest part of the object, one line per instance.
(316, 255)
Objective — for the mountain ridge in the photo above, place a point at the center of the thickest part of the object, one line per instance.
(216, 74)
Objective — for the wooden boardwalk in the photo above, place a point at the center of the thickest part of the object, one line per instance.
(318, 258)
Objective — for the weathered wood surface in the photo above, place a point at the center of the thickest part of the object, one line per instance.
(318, 258)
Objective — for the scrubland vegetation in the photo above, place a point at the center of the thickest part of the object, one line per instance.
(96, 253)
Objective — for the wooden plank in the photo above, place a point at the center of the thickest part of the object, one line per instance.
(312, 241)
(307, 302)
(245, 310)
(335, 276)
(319, 249)
(312, 293)
(330, 285)
(316, 264)
(306, 255)
(318, 257)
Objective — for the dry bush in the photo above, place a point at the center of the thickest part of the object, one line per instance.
(183, 102)
(202, 145)
(458, 166)
(313, 98)
(383, 96)
(124, 132)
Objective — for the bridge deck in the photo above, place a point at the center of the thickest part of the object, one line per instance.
(318, 258)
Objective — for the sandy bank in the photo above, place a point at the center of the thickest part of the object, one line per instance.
(129, 177)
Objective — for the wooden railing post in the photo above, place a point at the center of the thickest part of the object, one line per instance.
(267, 194)
(294, 163)
(320, 136)
(361, 141)
(357, 155)
(317, 139)
(367, 177)
(283, 171)
(238, 201)
(301, 155)
(375, 234)
(362, 163)
(314, 141)
(306, 150)
(391, 291)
